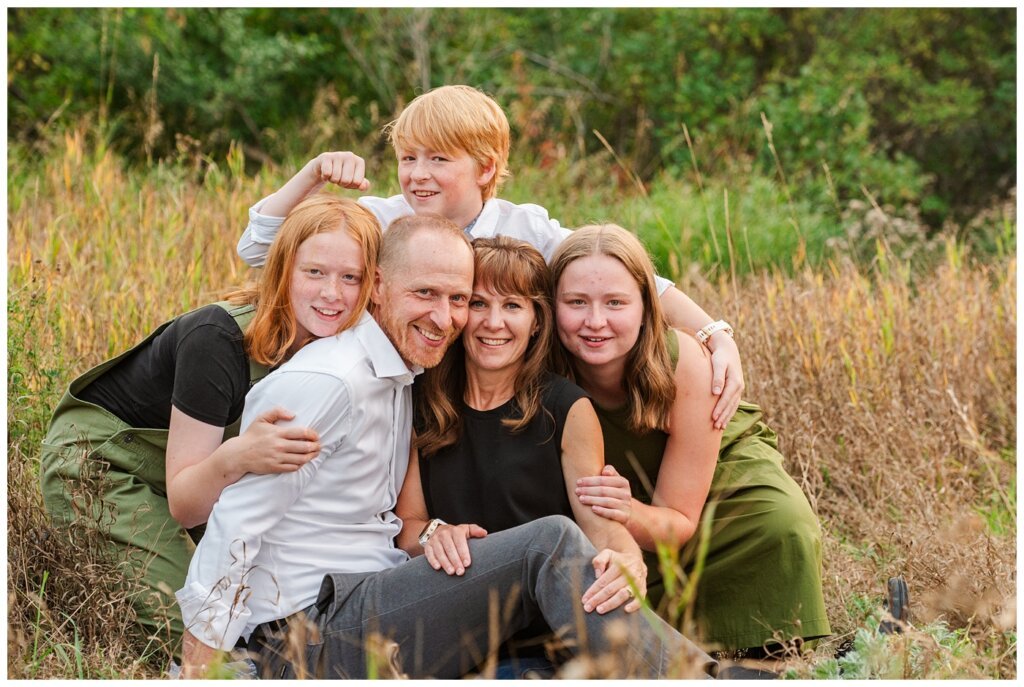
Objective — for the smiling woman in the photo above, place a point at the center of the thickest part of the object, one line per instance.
(599, 317)
(761, 582)
(501, 441)
(499, 329)
(160, 421)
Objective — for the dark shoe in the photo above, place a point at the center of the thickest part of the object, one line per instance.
(897, 602)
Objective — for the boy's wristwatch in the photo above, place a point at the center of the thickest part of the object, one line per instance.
(429, 530)
(704, 333)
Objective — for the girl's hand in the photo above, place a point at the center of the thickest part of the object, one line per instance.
(621, 579)
(267, 448)
(342, 169)
(448, 547)
(608, 495)
(727, 380)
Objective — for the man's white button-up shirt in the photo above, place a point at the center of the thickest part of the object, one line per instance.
(272, 538)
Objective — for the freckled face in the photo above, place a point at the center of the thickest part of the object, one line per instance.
(598, 310)
(498, 330)
(446, 184)
(325, 282)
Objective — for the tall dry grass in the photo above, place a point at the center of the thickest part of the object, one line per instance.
(893, 394)
(895, 399)
(97, 257)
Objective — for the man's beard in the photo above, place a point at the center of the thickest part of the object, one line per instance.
(403, 339)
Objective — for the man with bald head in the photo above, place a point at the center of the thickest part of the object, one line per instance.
(301, 568)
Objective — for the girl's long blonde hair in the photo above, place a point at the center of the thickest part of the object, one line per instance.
(273, 328)
(508, 267)
(648, 379)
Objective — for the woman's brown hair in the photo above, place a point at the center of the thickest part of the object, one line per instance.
(273, 328)
(510, 268)
(648, 378)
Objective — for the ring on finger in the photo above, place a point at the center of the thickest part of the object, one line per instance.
(629, 592)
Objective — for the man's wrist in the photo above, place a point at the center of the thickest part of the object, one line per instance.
(429, 530)
(197, 656)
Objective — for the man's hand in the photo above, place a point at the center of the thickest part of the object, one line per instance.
(448, 547)
(196, 657)
(727, 382)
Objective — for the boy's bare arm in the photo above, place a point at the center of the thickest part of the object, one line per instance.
(681, 312)
(343, 169)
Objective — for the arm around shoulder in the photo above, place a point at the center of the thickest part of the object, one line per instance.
(681, 311)
(727, 380)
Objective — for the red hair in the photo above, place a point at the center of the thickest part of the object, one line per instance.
(273, 329)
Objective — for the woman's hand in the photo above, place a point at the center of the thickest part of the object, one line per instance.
(607, 494)
(621, 579)
(727, 377)
(267, 448)
(343, 169)
(448, 547)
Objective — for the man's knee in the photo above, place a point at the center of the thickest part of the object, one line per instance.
(557, 533)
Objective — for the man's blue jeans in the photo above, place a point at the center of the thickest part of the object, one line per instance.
(445, 626)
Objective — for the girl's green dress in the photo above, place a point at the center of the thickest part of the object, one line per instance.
(761, 581)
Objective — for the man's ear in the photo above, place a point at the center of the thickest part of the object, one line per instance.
(376, 293)
(486, 174)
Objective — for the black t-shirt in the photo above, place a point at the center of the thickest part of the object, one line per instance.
(197, 363)
(498, 479)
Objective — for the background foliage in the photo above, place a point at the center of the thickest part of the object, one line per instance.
(915, 105)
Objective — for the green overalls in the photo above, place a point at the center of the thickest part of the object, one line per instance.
(112, 476)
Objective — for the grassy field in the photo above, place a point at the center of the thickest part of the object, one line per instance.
(893, 390)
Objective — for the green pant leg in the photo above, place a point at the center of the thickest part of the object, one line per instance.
(158, 552)
(89, 478)
(149, 547)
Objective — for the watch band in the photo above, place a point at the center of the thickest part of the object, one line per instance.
(705, 332)
(429, 530)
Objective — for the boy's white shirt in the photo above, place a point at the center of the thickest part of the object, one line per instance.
(526, 222)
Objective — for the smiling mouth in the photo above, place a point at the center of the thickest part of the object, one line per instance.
(595, 339)
(327, 313)
(425, 194)
(433, 337)
(493, 342)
